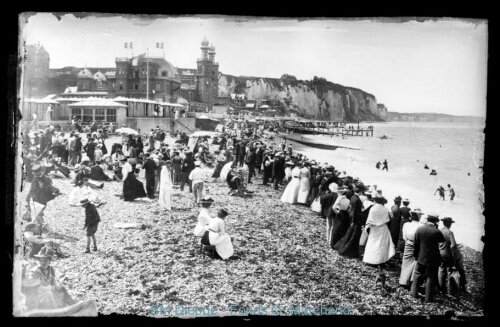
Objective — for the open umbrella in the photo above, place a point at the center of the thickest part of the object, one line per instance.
(225, 170)
(126, 131)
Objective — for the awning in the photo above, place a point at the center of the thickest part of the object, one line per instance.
(202, 117)
(98, 103)
(264, 106)
(123, 99)
(172, 105)
(45, 100)
(250, 105)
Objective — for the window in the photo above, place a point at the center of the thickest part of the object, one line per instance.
(158, 87)
(136, 86)
(100, 114)
(121, 86)
(76, 112)
(143, 72)
(113, 86)
(164, 73)
(199, 70)
(144, 86)
(111, 115)
(88, 115)
(136, 74)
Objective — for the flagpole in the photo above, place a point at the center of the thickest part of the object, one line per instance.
(147, 74)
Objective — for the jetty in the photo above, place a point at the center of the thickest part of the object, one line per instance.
(329, 129)
(315, 143)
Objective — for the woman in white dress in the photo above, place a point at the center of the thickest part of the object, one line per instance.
(165, 198)
(204, 218)
(217, 236)
(292, 189)
(305, 184)
(379, 247)
(83, 191)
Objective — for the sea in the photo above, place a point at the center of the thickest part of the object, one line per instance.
(454, 150)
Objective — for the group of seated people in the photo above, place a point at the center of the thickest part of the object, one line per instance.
(211, 229)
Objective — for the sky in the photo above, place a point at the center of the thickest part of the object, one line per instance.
(435, 65)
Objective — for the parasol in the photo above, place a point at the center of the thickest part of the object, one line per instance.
(126, 131)
(225, 170)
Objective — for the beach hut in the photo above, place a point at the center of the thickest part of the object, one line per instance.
(206, 123)
(193, 138)
(98, 110)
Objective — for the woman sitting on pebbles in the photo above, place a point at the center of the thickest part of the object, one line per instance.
(204, 218)
(217, 236)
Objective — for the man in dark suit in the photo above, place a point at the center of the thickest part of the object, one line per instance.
(405, 216)
(149, 167)
(395, 220)
(278, 172)
(428, 257)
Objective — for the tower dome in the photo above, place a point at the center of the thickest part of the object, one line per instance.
(204, 43)
(99, 77)
(85, 73)
(211, 48)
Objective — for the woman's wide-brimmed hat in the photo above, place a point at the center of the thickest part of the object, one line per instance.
(84, 202)
(122, 158)
(333, 187)
(46, 252)
(418, 211)
(341, 189)
(290, 163)
(406, 200)
(378, 197)
(197, 163)
(36, 168)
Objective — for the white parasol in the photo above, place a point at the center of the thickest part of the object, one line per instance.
(225, 170)
(126, 131)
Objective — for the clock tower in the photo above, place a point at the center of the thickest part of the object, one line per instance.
(207, 74)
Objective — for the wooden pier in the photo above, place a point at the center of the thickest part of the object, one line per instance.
(333, 131)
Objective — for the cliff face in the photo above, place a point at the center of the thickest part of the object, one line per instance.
(316, 99)
(433, 117)
(382, 111)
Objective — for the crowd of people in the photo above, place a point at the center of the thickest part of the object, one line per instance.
(358, 223)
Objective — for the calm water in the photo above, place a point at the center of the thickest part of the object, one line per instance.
(454, 150)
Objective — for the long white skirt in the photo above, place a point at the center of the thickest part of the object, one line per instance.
(305, 185)
(199, 229)
(291, 191)
(222, 244)
(75, 196)
(316, 205)
(379, 247)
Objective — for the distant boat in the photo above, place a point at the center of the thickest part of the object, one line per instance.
(317, 144)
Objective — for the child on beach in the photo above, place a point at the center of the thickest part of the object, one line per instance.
(92, 219)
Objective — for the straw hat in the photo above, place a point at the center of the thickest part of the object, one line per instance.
(197, 163)
(432, 217)
(84, 202)
(46, 252)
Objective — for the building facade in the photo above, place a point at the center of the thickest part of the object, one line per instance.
(131, 79)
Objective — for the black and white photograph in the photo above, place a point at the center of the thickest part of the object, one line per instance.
(204, 166)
